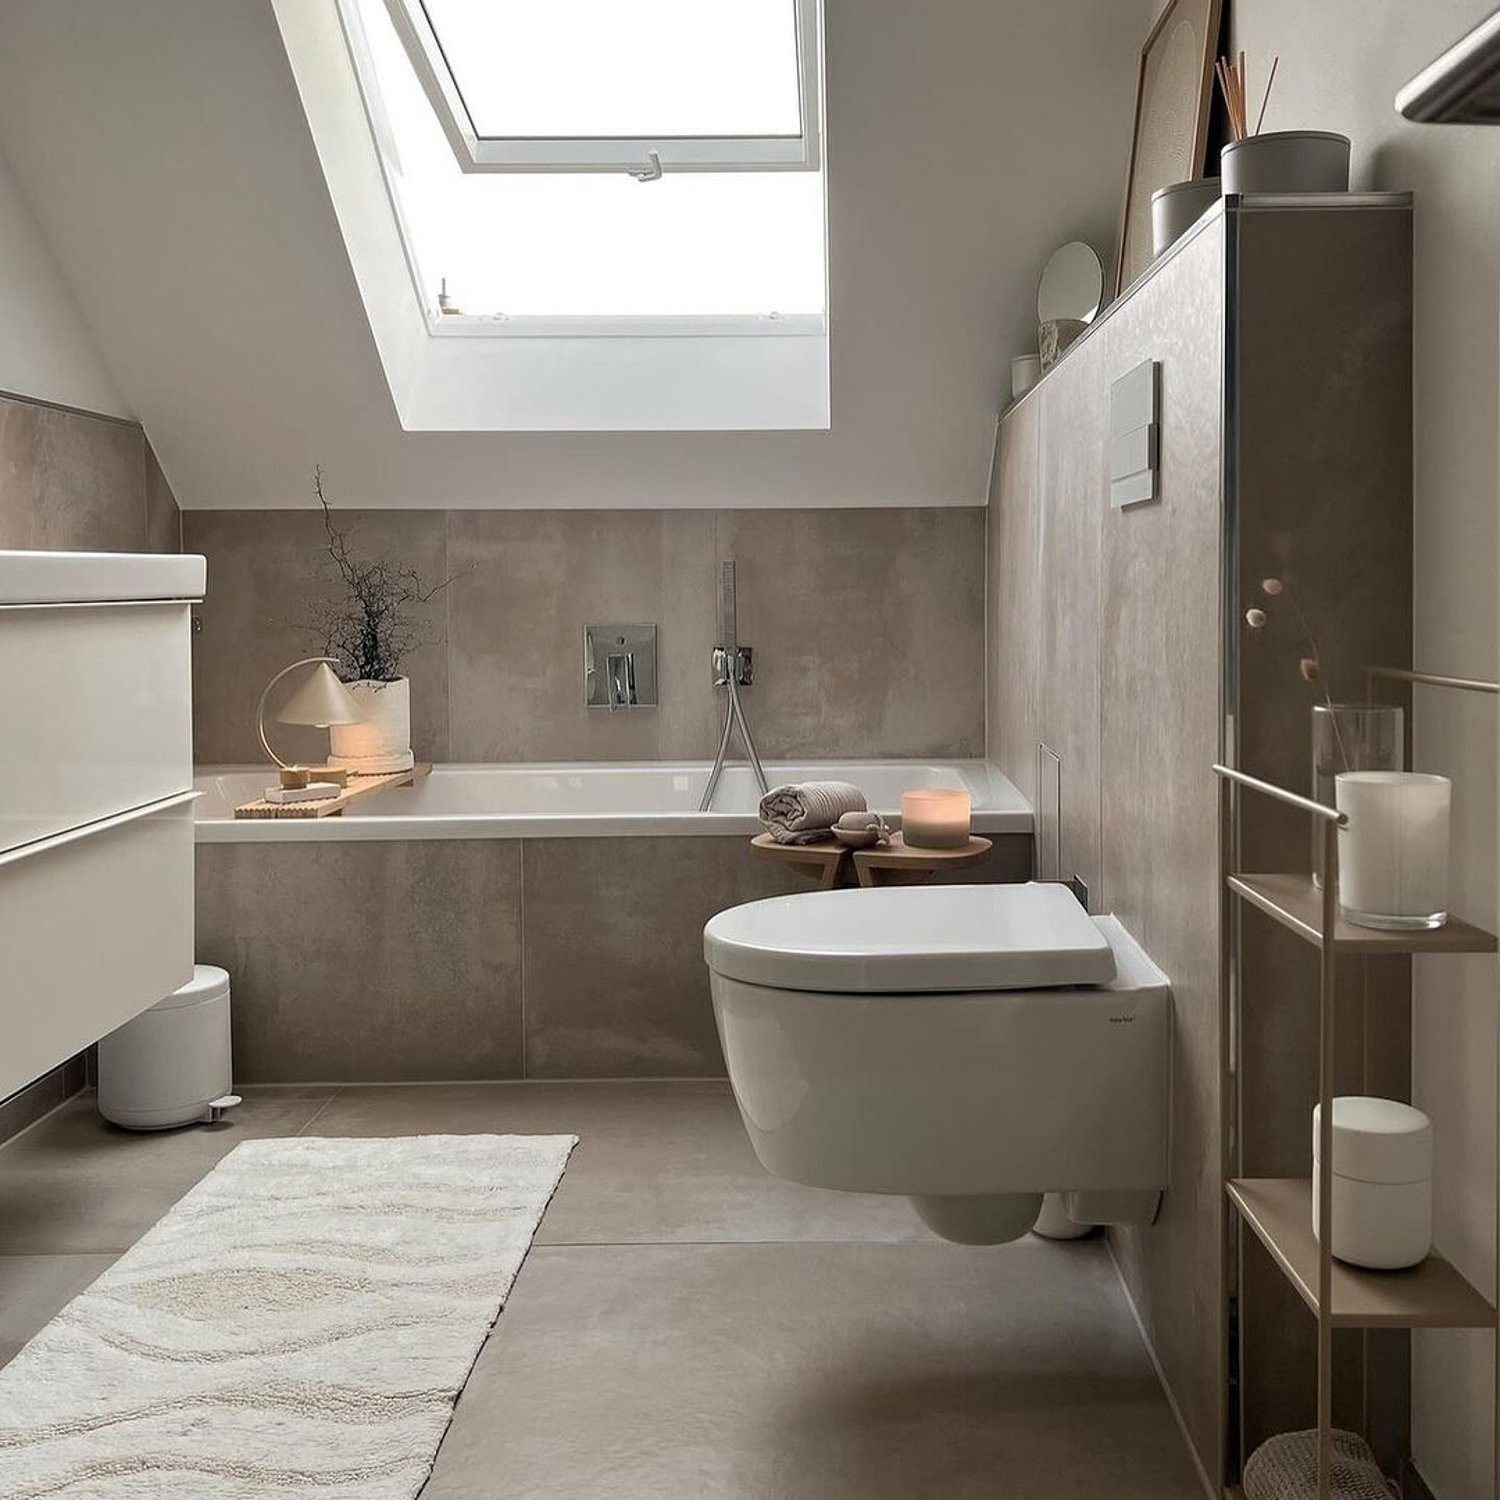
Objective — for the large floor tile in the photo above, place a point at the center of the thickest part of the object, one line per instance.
(665, 1162)
(75, 1183)
(827, 1371)
(35, 1288)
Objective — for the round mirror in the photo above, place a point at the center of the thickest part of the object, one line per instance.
(1072, 285)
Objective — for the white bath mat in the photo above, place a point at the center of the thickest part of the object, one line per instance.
(301, 1323)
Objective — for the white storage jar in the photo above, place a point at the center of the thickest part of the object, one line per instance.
(170, 1065)
(1382, 1182)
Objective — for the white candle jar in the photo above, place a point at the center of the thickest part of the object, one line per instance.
(1393, 852)
(935, 819)
(1382, 1183)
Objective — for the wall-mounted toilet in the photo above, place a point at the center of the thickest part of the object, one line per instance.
(970, 1047)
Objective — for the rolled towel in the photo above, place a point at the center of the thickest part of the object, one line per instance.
(806, 812)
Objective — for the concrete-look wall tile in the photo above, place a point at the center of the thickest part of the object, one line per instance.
(530, 581)
(868, 629)
(70, 481)
(616, 985)
(264, 569)
(1160, 715)
(365, 961)
(1014, 601)
(163, 518)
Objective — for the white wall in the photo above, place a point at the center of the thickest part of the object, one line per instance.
(46, 349)
(1341, 64)
(164, 145)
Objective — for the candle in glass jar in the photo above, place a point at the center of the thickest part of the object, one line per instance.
(935, 819)
(1393, 852)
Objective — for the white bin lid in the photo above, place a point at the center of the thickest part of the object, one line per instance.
(207, 983)
(1378, 1140)
(913, 940)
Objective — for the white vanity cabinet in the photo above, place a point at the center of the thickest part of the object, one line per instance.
(96, 793)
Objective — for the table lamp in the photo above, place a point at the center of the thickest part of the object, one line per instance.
(320, 701)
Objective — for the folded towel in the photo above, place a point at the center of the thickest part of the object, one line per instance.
(806, 812)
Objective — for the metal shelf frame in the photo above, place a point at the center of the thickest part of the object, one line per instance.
(1313, 915)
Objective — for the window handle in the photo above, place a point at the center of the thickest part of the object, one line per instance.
(648, 174)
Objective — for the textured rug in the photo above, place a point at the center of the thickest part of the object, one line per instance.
(301, 1323)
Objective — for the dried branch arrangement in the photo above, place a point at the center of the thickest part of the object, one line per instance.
(371, 624)
(1310, 664)
(1234, 84)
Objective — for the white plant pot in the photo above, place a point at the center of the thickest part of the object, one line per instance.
(381, 743)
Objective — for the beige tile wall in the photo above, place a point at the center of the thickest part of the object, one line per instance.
(1109, 644)
(868, 626)
(77, 482)
(72, 481)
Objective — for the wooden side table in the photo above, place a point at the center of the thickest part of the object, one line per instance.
(832, 865)
(827, 863)
(897, 863)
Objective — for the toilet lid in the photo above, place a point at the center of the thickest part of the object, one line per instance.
(906, 939)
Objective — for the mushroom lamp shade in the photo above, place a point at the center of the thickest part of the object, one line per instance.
(319, 701)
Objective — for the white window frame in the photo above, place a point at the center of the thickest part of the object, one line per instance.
(645, 157)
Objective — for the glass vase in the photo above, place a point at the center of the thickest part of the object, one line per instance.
(1351, 737)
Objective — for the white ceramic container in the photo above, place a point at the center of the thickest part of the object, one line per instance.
(1382, 1183)
(1177, 207)
(382, 741)
(1025, 371)
(1393, 852)
(1287, 161)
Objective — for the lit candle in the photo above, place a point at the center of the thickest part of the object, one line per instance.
(935, 819)
(1393, 853)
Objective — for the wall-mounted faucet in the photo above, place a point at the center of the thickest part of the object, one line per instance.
(733, 668)
(619, 666)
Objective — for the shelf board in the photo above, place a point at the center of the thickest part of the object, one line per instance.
(1295, 902)
(1431, 1295)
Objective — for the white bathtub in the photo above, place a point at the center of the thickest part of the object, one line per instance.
(583, 800)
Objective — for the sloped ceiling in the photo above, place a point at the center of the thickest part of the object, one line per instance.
(164, 150)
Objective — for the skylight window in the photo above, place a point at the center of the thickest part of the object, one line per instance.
(574, 101)
(623, 85)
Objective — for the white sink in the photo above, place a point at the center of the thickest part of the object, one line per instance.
(98, 577)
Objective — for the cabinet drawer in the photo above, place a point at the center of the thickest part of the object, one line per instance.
(93, 929)
(96, 716)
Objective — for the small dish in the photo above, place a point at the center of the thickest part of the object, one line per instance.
(861, 830)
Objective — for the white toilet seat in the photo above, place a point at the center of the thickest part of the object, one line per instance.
(912, 940)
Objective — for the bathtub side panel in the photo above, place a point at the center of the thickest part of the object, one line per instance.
(419, 959)
(616, 985)
(365, 961)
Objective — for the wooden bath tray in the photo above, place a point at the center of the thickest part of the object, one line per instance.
(331, 807)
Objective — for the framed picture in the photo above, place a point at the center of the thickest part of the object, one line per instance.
(1173, 100)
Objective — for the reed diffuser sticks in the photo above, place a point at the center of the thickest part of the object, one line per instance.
(1234, 84)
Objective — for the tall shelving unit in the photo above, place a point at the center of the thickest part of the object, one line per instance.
(1278, 1211)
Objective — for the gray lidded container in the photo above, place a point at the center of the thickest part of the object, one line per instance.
(1177, 207)
(1287, 161)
